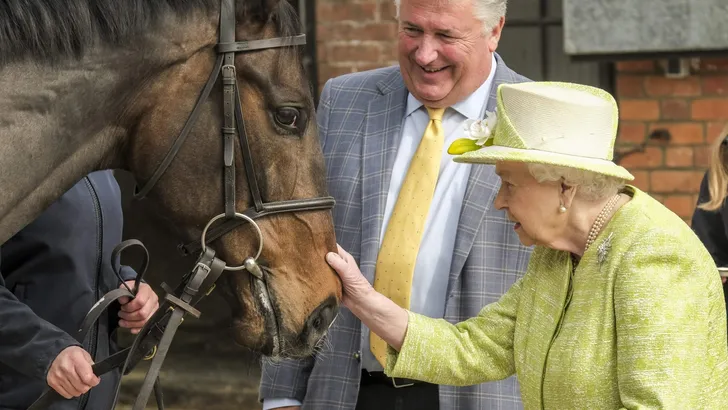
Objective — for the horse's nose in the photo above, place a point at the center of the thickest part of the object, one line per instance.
(320, 319)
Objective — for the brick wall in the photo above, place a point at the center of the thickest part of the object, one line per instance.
(358, 35)
(693, 110)
(354, 35)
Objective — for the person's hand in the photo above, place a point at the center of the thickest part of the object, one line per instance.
(135, 313)
(71, 374)
(354, 283)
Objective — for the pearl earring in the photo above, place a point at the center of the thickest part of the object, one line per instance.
(562, 209)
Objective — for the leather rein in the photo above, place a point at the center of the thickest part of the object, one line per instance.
(155, 338)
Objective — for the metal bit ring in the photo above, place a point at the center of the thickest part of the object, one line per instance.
(239, 216)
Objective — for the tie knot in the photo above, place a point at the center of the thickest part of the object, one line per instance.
(435, 113)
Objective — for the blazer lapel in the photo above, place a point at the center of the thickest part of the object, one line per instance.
(382, 130)
(480, 192)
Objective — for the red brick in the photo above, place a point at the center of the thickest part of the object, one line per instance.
(369, 66)
(321, 53)
(702, 156)
(390, 52)
(639, 110)
(675, 181)
(663, 87)
(641, 180)
(630, 86)
(679, 157)
(642, 66)
(351, 31)
(715, 85)
(682, 133)
(387, 11)
(632, 132)
(674, 109)
(337, 12)
(710, 109)
(682, 205)
(650, 158)
(713, 64)
(340, 53)
(714, 130)
(325, 72)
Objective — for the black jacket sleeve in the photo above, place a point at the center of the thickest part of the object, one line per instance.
(710, 226)
(28, 343)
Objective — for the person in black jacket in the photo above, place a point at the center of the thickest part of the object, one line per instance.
(710, 219)
(51, 273)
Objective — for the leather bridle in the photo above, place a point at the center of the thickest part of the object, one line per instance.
(234, 126)
(155, 338)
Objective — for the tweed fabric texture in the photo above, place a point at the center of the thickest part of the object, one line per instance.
(640, 324)
(360, 116)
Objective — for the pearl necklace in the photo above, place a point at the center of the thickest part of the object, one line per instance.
(595, 229)
(599, 222)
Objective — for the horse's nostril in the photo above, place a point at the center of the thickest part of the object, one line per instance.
(321, 317)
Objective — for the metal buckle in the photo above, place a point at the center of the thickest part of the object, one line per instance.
(399, 386)
(150, 356)
(228, 74)
(203, 267)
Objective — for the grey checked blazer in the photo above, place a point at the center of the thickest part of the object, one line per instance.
(360, 117)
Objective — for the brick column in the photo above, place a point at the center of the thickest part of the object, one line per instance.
(692, 109)
(354, 35)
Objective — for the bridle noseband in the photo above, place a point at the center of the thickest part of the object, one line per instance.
(155, 338)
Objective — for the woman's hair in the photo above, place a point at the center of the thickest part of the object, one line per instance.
(717, 173)
(592, 186)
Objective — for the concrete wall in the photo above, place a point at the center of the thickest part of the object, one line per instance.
(640, 26)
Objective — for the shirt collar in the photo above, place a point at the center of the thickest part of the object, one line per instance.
(470, 107)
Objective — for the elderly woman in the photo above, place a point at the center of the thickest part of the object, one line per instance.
(621, 306)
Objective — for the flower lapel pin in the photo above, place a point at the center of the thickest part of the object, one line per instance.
(478, 134)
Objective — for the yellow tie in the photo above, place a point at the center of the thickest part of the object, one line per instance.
(401, 243)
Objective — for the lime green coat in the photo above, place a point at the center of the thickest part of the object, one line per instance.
(641, 324)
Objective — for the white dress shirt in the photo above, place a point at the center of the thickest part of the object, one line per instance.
(432, 269)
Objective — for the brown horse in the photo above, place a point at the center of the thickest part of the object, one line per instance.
(97, 84)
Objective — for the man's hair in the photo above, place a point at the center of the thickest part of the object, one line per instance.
(488, 12)
(591, 185)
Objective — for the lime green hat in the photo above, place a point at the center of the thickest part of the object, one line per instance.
(564, 124)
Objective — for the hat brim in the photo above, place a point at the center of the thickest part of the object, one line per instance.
(493, 154)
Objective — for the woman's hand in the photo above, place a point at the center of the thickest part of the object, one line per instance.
(356, 286)
(380, 314)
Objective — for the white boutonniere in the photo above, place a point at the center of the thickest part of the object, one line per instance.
(481, 130)
(477, 133)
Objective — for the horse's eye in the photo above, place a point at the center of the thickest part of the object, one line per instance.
(289, 118)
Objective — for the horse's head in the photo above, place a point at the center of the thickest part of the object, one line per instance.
(302, 292)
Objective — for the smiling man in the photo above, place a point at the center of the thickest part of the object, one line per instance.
(413, 219)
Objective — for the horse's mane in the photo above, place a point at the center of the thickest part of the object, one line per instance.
(51, 30)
